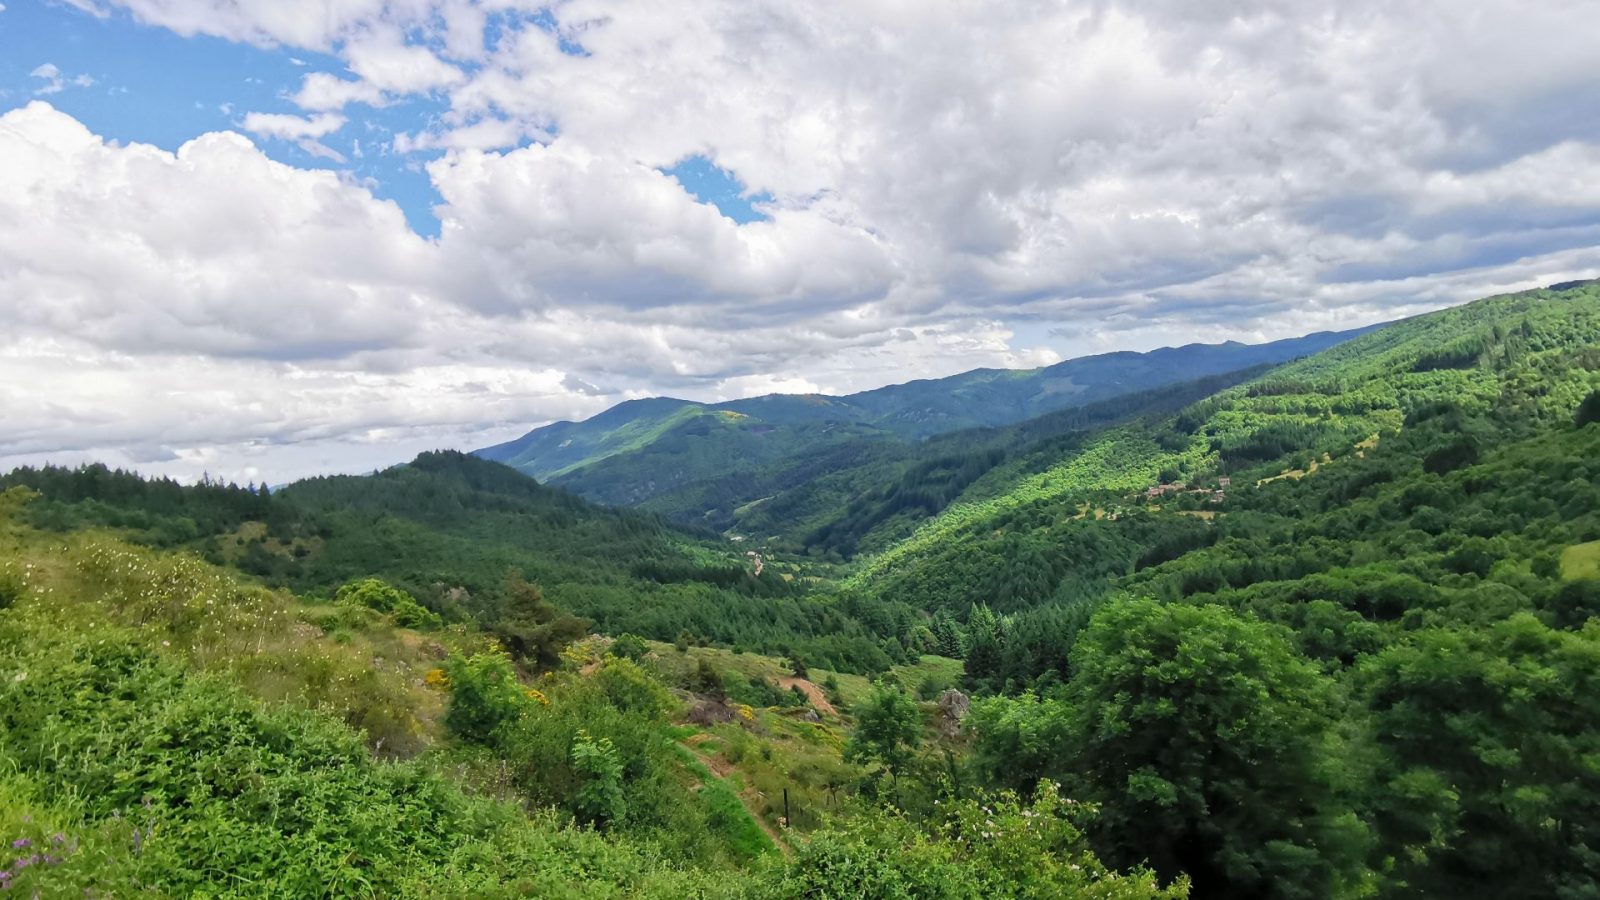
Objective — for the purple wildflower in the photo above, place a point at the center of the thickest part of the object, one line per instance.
(19, 843)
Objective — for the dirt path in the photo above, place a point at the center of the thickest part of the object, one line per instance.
(718, 766)
(819, 700)
(750, 799)
(721, 768)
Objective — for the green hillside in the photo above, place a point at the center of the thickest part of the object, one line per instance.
(456, 531)
(168, 729)
(1503, 367)
(1387, 603)
(869, 500)
(700, 462)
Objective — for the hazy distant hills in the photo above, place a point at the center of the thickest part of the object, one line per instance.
(642, 449)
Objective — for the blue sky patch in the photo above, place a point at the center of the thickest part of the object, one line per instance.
(136, 83)
(710, 183)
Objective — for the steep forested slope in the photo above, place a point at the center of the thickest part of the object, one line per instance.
(1493, 371)
(868, 503)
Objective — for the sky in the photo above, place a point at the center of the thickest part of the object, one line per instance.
(265, 239)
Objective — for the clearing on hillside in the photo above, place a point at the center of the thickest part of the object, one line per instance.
(1581, 561)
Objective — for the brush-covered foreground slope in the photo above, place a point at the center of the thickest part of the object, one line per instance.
(451, 528)
(170, 730)
(641, 449)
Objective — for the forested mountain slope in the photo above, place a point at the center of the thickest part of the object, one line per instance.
(643, 449)
(452, 529)
(1491, 372)
(835, 508)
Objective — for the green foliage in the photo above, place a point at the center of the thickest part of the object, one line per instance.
(410, 614)
(761, 692)
(446, 528)
(1021, 741)
(533, 629)
(372, 593)
(707, 680)
(208, 767)
(484, 695)
(377, 594)
(539, 747)
(629, 646)
(807, 456)
(1367, 669)
(1207, 741)
(988, 847)
(727, 817)
(599, 769)
(12, 588)
(631, 689)
(135, 777)
(888, 729)
(1588, 411)
(1022, 538)
(1489, 740)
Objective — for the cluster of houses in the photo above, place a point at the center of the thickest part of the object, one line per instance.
(1218, 494)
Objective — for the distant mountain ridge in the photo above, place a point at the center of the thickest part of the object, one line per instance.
(640, 449)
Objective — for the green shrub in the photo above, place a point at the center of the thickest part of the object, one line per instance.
(372, 593)
(1588, 411)
(484, 695)
(930, 687)
(705, 679)
(631, 689)
(993, 847)
(128, 775)
(629, 646)
(410, 614)
(600, 800)
(760, 692)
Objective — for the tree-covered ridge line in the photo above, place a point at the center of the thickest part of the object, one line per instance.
(835, 510)
(699, 462)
